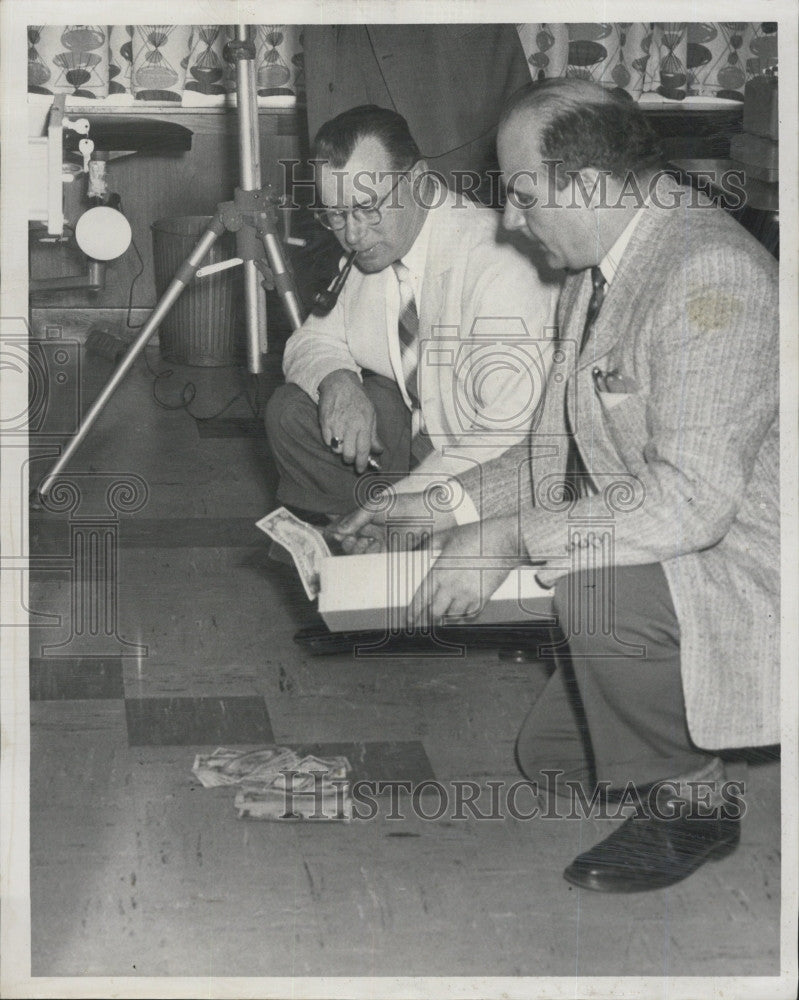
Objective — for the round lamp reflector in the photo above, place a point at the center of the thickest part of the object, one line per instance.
(103, 233)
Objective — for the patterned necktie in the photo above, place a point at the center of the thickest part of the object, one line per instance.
(594, 305)
(577, 476)
(408, 330)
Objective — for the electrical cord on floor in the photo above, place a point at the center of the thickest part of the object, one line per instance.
(189, 391)
(135, 278)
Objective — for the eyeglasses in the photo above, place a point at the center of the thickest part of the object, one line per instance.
(336, 219)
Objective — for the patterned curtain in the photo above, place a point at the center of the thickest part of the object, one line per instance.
(708, 59)
(612, 54)
(159, 62)
(674, 60)
(185, 63)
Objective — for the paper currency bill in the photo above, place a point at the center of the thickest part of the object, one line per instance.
(270, 766)
(306, 545)
(276, 782)
(230, 767)
(254, 802)
(312, 772)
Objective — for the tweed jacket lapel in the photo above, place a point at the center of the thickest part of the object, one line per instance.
(630, 282)
(573, 311)
(612, 331)
(608, 327)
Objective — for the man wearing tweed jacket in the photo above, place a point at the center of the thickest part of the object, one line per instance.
(650, 488)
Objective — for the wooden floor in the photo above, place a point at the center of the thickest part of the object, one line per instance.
(136, 870)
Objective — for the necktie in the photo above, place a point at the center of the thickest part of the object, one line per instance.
(577, 476)
(594, 304)
(408, 330)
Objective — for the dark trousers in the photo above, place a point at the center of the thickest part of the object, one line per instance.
(607, 714)
(311, 475)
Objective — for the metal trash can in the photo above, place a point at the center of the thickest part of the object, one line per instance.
(200, 328)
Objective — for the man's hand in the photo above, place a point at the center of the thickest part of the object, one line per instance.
(365, 530)
(347, 415)
(475, 559)
(369, 537)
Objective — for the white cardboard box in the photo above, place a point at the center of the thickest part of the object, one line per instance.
(371, 592)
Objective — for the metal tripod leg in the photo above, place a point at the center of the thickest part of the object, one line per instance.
(243, 52)
(254, 202)
(281, 275)
(184, 275)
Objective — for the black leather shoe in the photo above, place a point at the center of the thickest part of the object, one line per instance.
(651, 853)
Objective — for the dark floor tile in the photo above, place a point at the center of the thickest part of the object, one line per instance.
(195, 532)
(197, 721)
(392, 761)
(47, 574)
(51, 537)
(48, 537)
(231, 427)
(60, 679)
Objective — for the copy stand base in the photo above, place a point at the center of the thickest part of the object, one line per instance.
(450, 640)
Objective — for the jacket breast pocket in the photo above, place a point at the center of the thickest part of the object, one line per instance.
(612, 400)
(624, 417)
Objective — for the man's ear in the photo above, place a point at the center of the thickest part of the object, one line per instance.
(419, 169)
(423, 179)
(589, 187)
(417, 174)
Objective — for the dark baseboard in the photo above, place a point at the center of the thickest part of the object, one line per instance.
(60, 322)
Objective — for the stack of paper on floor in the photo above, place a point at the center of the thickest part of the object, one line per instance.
(372, 592)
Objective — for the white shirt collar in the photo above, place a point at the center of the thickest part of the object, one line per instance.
(609, 264)
(416, 258)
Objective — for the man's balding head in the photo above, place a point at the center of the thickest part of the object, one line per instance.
(567, 149)
(581, 124)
